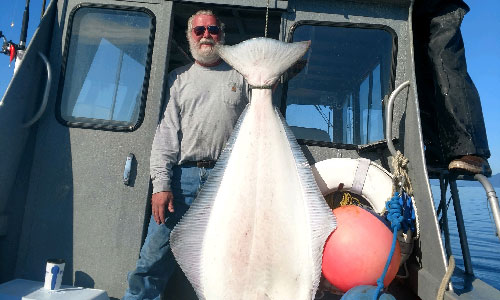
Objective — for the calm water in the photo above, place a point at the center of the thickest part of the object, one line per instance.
(484, 245)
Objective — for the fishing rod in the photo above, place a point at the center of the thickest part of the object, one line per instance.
(24, 27)
(9, 47)
(43, 9)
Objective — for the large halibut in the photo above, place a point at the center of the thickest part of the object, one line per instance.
(257, 228)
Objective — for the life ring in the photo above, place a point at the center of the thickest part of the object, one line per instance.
(359, 176)
(365, 178)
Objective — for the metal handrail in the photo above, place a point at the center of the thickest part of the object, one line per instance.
(492, 198)
(388, 118)
(462, 234)
(45, 99)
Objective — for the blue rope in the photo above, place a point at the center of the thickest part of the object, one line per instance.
(394, 211)
(408, 214)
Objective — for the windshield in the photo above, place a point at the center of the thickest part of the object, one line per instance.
(335, 94)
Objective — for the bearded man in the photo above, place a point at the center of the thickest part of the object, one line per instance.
(206, 99)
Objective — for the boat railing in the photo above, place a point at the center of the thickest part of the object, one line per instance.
(492, 199)
(388, 120)
(45, 99)
(450, 178)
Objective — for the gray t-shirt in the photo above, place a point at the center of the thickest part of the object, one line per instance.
(204, 105)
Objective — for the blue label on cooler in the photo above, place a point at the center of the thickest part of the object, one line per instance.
(54, 271)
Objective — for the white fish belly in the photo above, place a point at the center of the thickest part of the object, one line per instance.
(258, 241)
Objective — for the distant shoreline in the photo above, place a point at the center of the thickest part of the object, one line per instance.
(494, 180)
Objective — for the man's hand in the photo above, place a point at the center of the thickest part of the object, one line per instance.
(159, 202)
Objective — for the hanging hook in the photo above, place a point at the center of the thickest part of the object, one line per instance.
(267, 18)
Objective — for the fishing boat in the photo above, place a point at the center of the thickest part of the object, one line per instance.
(78, 119)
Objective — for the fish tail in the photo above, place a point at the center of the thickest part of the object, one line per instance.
(262, 60)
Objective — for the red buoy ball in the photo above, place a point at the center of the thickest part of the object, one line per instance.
(357, 250)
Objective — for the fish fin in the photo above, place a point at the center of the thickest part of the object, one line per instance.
(186, 239)
(262, 60)
(321, 224)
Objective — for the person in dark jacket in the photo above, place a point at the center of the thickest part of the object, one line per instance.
(452, 118)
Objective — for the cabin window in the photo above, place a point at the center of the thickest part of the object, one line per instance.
(335, 93)
(106, 68)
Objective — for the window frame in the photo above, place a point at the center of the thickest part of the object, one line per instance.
(392, 77)
(145, 86)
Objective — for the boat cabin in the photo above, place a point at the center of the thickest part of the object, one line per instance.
(78, 120)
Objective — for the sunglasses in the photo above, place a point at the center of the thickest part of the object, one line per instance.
(212, 29)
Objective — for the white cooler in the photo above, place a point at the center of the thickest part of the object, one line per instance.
(21, 289)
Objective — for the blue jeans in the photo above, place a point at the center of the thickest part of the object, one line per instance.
(156, 263)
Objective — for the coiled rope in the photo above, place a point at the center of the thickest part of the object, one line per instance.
(400, 166)
(402, 183)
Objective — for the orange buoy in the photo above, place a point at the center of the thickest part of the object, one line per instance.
(357, 251)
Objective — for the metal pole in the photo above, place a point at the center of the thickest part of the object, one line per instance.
(492, 198)
(461, 227)
(356, 113)
(369, 106)
(447, 244)
(388, 117)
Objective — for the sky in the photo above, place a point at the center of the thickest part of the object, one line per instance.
(480, 30)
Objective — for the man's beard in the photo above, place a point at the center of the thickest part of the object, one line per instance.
(204, 55)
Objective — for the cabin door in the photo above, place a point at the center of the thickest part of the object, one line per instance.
(89, 186)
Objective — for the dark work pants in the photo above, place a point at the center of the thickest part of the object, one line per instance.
(451, 113)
